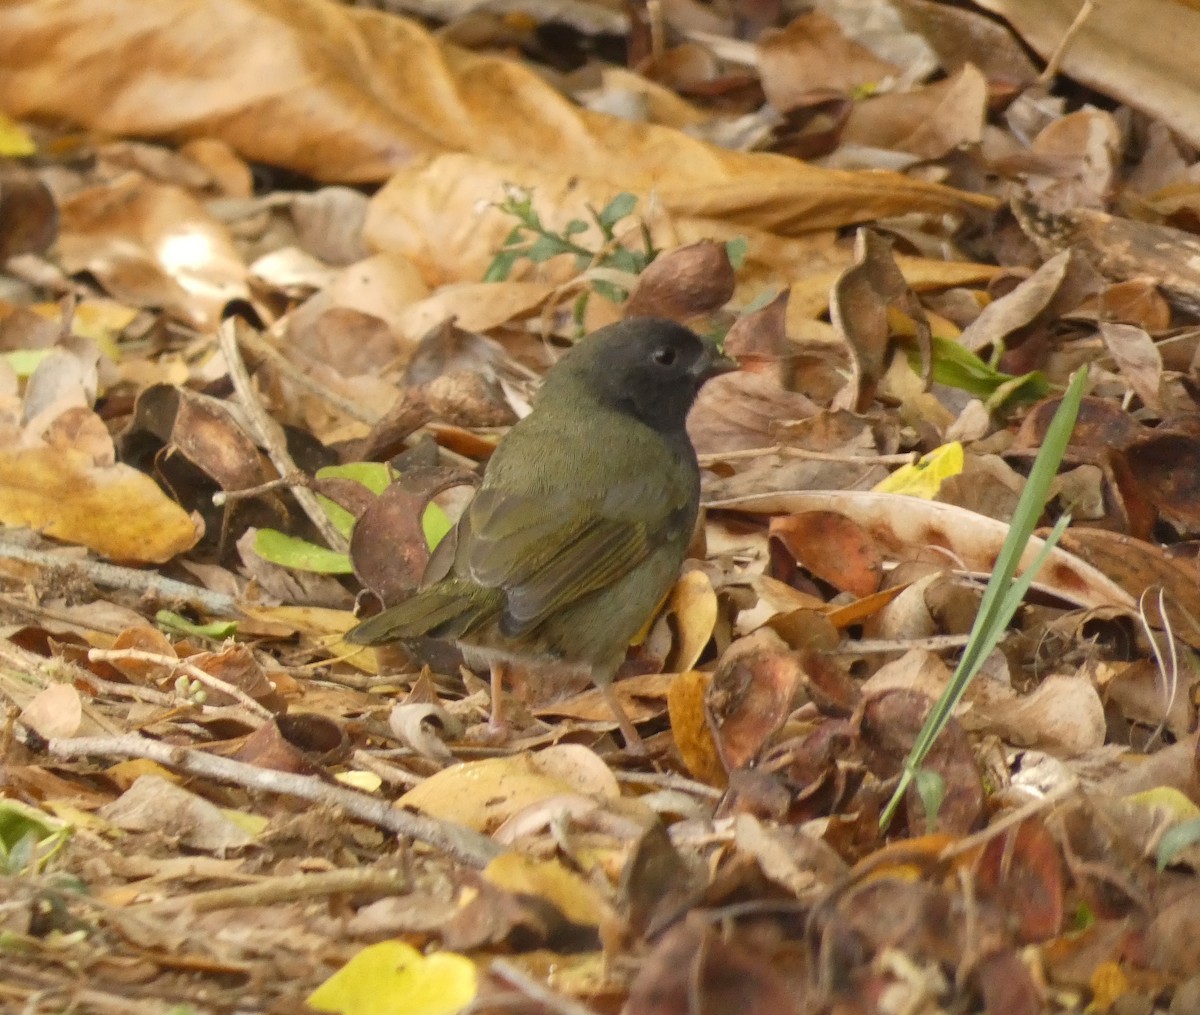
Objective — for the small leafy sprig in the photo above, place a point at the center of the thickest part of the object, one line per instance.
(533, 241)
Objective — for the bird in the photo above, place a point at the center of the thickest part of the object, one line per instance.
(582, 520)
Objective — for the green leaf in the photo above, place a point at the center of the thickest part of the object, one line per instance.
(957, 367)
(575, 227)
(931, 788)
(218, 630)
(299, 554)
(435, 524)
(735, 250)
(612, 293)
(616, 209)
(624, 259)
(502, 266)
(28, 838)
(546, 247)
(375, 476)
(1005, 591)
(1175, 840)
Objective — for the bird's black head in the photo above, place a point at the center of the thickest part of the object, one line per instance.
(647, 366)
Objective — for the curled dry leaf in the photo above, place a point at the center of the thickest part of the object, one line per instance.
(905, 525)
(683, 283)
(425, 728)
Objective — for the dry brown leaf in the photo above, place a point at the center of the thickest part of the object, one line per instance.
(1142, 52)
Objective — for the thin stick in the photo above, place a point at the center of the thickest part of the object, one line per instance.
(262, 348)
(288, 889)
(268, 435)
(463, 844)
(1060, 51)
(110, 576)
(174, 663)
(816, 456)
(539, 993)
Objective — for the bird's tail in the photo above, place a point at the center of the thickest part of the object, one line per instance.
(447, 610)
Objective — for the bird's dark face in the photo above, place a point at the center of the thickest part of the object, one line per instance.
(648, 367)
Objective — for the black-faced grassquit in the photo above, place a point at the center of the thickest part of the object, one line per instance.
(581, 523)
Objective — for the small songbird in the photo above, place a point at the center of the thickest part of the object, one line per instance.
(583, 518)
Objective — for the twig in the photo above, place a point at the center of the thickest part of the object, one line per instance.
(222, 497)
(164, 699)
(288, 889)
(881, 646)
(817, 456)
(110, 576)
(174, 663)
(265, 350)
(463, 844)
(1011, 818)
(1060, 51)
(268, 435)
(537, 992)
(392, 774)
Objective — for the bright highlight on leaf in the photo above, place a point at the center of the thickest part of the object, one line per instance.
(393, 978)
(924, 478)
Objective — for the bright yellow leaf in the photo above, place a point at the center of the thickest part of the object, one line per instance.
(393, 978)
(925, 478)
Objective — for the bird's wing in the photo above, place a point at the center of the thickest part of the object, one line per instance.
(545, 551)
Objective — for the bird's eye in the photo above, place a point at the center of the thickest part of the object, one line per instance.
(664, 356)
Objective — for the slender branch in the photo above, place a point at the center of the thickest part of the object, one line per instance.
(463, 844)
(268, 435)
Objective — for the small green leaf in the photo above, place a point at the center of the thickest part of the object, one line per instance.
(735, 250)
(1175, 840)
(435, 524)
(957, 367)
(25, 361)
(501, 266)
(299, 554)
(375, 476)
(575, 227)
(623, 259)
(218, 630)
(546, 247)
(616, 209)
(931, 788)
(612, 293)
(28, 838)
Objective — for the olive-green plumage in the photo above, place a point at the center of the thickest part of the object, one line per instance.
(584, 514)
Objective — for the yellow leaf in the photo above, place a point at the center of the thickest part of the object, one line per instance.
(483, 794)
(1168, 800)
(689, 727)
(368, 782)
(115, 510)
(577, 900)
(393, 978)
(15, 142)
(925, 478)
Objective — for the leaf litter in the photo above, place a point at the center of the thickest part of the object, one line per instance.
(349, 235)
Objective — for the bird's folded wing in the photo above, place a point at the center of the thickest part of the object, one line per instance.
(546, 552)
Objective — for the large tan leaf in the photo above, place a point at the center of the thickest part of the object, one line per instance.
(1142, 52)
(439, 211)
(343, 93)
(115, 510)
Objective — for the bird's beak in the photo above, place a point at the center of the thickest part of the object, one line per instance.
(712, 364)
